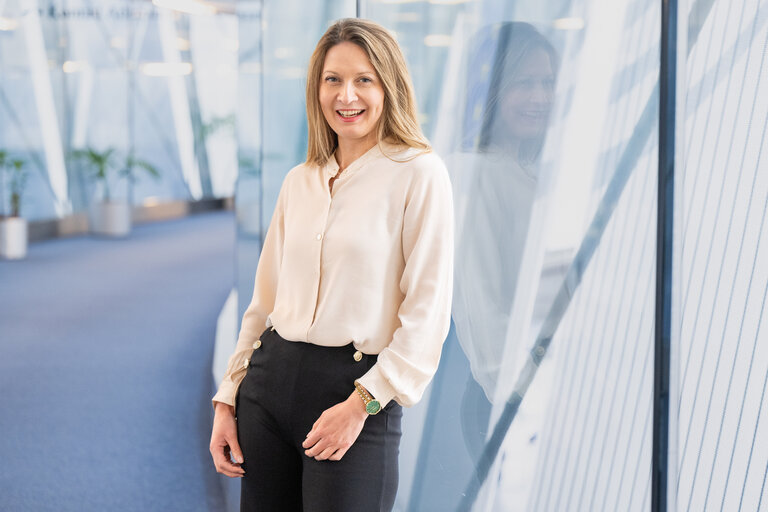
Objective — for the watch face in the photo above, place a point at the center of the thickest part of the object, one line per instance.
(373, 407)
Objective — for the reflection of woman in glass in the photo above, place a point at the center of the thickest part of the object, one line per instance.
(520, 95)
(499, 194)
(352, 296)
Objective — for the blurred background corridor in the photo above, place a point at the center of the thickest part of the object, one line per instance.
(142, 147)
(105, 386)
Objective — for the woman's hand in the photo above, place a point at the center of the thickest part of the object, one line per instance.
(224, 441)
(336, 429)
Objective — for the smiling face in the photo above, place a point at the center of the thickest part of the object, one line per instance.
(351, 95)
(527, 101)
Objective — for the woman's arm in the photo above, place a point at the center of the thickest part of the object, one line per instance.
(224, 445)
(336, 430)
(405, 367)
(224, 440)
(261, 305)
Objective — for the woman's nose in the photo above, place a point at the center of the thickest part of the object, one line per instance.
(543, 91)
(348, 93)
(541, 94)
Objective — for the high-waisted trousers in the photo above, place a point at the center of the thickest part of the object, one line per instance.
(287, 386)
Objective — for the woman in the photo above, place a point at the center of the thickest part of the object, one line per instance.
(501, 181)
(352, 296)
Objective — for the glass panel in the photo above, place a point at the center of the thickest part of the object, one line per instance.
(721, 246)
(26, 107)
(147, 83)
(548, 125)
(275, 46)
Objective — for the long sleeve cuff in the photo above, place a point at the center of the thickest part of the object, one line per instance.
(236, 371)
(378, 385)
(226, 394)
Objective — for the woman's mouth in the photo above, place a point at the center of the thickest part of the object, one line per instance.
(537, 115)
(350, 115)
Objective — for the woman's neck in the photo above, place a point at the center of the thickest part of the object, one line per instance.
(350, 150)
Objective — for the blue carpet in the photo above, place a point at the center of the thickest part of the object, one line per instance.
(105, 369)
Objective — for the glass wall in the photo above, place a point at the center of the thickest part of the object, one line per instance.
(276, 41)
(142, 85)
(722, 203)
(546, 115)
(548, 124)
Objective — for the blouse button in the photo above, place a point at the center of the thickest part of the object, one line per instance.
(319, 236)
(358, 356)
(246, 363)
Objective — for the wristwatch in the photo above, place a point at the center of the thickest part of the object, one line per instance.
(372, 406)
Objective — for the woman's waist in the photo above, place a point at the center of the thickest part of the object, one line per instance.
(286, 357)
(334, 336)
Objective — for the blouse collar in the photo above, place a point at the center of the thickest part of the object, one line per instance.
(332, 166)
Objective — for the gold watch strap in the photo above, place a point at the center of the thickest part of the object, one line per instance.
(372, 406)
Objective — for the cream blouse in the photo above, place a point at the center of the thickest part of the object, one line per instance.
(370, 262)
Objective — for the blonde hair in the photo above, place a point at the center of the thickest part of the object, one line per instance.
(398, 123)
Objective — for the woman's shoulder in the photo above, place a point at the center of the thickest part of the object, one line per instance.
(294, 178)
(414, 160)
(300, 170)
(424, 172)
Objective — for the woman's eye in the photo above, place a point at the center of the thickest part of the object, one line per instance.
(366, 80)
(331, 79)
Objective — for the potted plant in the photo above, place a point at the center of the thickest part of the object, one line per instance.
(13, 228)
(111, 216)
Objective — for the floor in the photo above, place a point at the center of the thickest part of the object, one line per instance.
(105, 369)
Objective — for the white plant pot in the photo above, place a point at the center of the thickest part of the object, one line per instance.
(111, 218)
(13, 238)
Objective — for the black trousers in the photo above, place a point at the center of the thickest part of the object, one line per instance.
(286, 388)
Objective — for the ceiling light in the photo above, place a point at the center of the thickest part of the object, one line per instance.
(8, 24)
(74, 66)
(118, 42)
(437, 40)
(407, 17)
(569, 23)
(166, 68)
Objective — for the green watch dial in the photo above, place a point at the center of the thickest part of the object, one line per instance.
(372, 407)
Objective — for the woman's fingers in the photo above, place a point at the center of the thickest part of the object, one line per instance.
(220, 453)
(315, 448)
(338, 455)
(312, 438)
(223, 464)
(224, 442)
(325, 454)
(234, 448)
(335, 431)
(230, 474)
